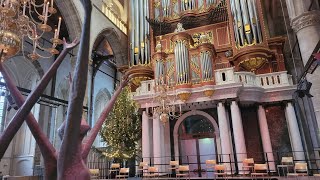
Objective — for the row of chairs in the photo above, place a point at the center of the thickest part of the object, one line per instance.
(299, 169)
(181, 171)
(153, 172)
(254, 169)
(120, 173)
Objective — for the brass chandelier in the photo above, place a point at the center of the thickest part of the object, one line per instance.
(166, 108)
(20, 19)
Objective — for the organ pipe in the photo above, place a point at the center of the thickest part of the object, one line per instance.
(140, 50)
(182, 62)
(132, 36)
(206, 65)
(141, 32)
(247, 28)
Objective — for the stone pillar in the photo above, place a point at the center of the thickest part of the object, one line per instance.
(306, 25)
(90, 90)
(224, 135)
(294, 133)
(238, 134)
(156, 141)
(265, 137)
(145, 137)
(167, 145)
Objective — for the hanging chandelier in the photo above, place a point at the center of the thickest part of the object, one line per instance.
(166, 108)
(20, 19)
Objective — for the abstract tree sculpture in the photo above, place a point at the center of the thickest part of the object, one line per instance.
(68, 164)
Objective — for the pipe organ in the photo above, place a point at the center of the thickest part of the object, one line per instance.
(217, 34)
(214, 55)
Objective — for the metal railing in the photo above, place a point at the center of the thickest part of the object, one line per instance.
(198, 166)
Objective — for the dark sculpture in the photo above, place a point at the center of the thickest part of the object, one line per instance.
(69, 163)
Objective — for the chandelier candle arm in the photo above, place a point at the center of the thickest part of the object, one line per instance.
(59, 26)
(46, 15)
(44, 9)
(24, 8)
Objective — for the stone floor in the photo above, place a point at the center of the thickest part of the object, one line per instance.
(242, 178)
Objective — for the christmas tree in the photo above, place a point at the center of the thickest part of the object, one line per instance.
(122, 129)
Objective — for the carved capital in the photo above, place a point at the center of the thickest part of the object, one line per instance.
(309, 18)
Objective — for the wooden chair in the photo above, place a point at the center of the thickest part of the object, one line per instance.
(220, 170)
(300, 169)
(153, 172)
(210, 164)
(286, 163)
(260, 170)
(247, 165)
(143, 167)
(174, 165)
(115, 167)
(94, 173)
(183, 171)
(123, 173)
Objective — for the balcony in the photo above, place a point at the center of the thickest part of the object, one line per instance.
(226, 77)
(249, 79)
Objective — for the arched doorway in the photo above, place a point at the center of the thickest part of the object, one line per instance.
(196, 137)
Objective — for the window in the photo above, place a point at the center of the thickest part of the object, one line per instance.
(3, 93)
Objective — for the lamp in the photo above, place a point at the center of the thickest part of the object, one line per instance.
(20, 19)
(166, 108)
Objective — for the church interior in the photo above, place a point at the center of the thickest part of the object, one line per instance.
(159, 89)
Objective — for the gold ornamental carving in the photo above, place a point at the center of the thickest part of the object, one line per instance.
(184, 96)
(252, 64)
(140, 73)
(208, 92)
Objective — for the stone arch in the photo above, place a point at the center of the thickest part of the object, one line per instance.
(26, 75)
(192, 113)
(113, 38)
(101, 99)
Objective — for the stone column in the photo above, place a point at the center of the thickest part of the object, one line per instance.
(156, 141)
(294, 132)
(167, 145)
(238, 134)
(145, 137)
(224, 135)
(265, 137)
(306, 25)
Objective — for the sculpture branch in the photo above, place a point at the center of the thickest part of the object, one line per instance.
(24, 110)
(70, 163)
(47, 150)
(104, 114)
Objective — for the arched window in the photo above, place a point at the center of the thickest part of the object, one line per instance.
(101, 100)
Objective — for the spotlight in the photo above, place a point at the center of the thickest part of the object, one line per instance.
(303, 88)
